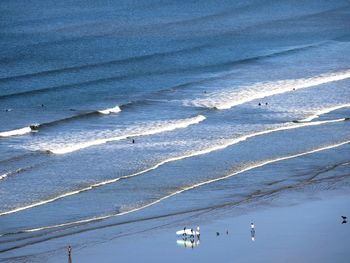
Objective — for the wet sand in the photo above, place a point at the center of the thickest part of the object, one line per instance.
(288, 229)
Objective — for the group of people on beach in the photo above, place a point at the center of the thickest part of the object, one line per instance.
(192, 233)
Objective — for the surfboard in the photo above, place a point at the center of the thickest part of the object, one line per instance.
(187, 232)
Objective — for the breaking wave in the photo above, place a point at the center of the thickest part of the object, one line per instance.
(16, 132)
(184, 189)
(324, 111)
(173, 159)
(227, 99)
(143, 131)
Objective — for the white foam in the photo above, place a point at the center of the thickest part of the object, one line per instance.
(248, 168)
(16, 132)
(227, 99)
(3, 176)
(320, 112)
(110, 110)
(163, 127)
(172, 159)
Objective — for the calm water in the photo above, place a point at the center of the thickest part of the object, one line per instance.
(224, 100)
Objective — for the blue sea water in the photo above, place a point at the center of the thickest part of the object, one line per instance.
(224, 100)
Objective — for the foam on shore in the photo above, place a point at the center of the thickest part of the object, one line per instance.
(247, 168)
(172, 159)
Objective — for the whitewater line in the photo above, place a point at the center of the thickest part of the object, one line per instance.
(324, 111)
(179, 124)
(110, 110)
(17, 171)
(227, 99)
(3, 176)
(16, 132)
(36, 127)
(254, 166)
(173, 159)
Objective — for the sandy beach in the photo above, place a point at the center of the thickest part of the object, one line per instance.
(294, 226)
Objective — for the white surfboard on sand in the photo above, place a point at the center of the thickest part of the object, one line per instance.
(187, 232)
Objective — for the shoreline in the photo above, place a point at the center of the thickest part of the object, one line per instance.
(288, 228)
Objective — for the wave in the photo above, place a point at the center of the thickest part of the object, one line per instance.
(229, 98)
(104, 64)
(165, 127)
(84, 84)
(19, 157)
(16, 132)
(36, 127)
(94, 66)
(110, 110)
(17, 171)
(107, 111)
(324, 111)
(3, 176)
(172, 159)
(184, 189)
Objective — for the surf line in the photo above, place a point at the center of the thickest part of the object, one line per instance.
(223, 100)
(36, 127)
(16, 132)
(173, 159)
(17, 171)
(178, 124)
(248, 168)
(324, 111)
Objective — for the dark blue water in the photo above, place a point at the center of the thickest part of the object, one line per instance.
(224, 100)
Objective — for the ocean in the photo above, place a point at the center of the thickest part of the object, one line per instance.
(117, 112)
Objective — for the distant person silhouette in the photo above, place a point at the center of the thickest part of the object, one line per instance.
(198, 232)
(345, 219)
(69, 249)
(252, 231)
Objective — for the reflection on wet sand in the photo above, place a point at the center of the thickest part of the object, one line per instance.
(188, 243)
(252, 233)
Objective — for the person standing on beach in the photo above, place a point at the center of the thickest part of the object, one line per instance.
(252, 231)
(69, 254)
